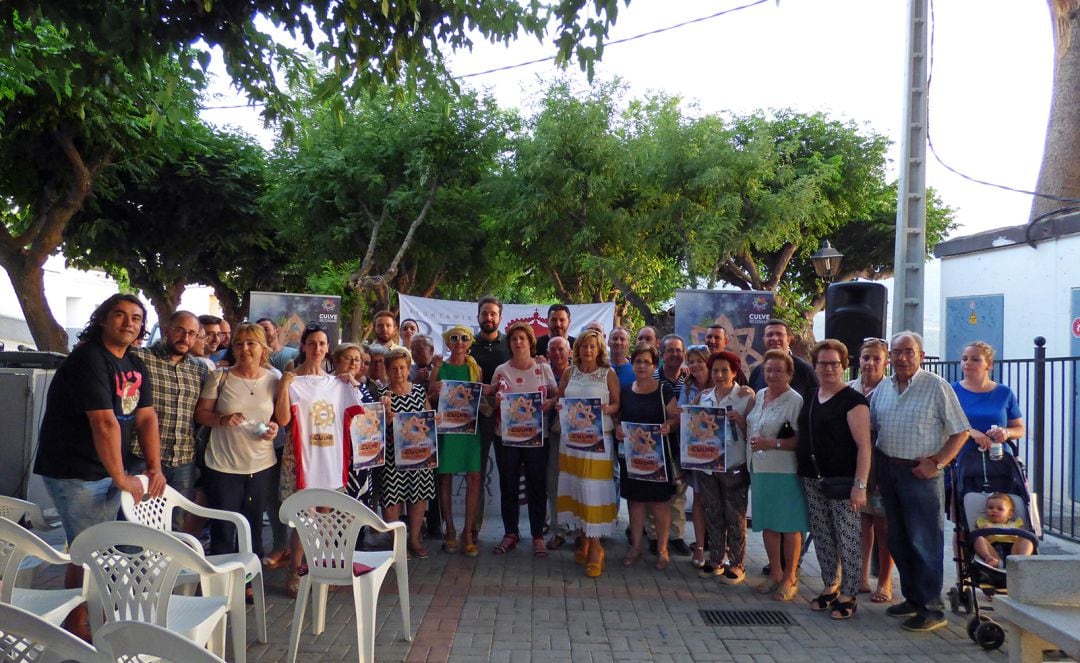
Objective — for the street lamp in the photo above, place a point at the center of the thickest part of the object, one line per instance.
(827, 262)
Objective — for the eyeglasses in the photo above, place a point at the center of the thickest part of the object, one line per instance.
(353, 360)
(185, 333)
(223, 334)
(906, 353)
(314, 327)
(462, 338)
(832, 365)
(697, 347)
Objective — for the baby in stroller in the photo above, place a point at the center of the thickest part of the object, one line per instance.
(1000, 513)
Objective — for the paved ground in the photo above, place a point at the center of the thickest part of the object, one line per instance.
(518, 608)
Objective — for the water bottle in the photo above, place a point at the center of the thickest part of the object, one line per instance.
(996, 452)
(254, 428)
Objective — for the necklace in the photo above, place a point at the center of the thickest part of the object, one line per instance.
(250, 387)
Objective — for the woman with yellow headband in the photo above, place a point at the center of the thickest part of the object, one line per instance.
(458, 453)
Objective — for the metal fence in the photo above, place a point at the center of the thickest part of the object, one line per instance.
(1049, 393)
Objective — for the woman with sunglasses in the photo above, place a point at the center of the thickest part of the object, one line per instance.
(523, 374)
(458, 453)
(698, 382)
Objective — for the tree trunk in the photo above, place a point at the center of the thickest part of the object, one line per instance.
(28, 279)
(1059, 174)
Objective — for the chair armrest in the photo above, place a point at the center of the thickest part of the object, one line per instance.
(191, 541)
(243, 528)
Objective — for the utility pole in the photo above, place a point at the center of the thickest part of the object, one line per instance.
(910, 258)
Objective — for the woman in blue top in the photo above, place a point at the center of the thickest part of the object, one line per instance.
(986, 403)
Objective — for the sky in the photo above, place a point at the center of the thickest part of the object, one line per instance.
(989, 93)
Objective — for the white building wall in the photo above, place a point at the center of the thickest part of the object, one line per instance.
(1037, 285)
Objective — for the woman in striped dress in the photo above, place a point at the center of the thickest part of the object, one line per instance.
(587, 500)
(414, 488)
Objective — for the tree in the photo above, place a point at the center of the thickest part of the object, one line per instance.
(195, 219)
(70, 116)
(389, 197)
(363, 44)
(1059, 174)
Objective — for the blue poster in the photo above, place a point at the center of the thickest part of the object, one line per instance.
(582, 422)
(643, 448)
(704, 439)
(367, 436)
(742, 313)
(414, 441)
(975, 318)
(292, 312)
(522, 419)
(459, 403)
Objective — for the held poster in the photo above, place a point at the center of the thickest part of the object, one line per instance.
(582, 423)
(522, 419)
(458, 406)
(367, 433)
(703, 433)
(643, 448)
(414, 441)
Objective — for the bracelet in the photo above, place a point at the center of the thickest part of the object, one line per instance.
(859, 484)
(221, 419)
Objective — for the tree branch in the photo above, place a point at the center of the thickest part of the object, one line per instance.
(635, 299)
(780, 265)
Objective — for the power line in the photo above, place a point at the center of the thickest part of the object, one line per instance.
(620, 41)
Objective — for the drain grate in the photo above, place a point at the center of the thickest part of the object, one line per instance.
(746, 618)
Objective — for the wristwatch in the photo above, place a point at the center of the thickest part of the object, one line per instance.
(937, 463)
(859, 484)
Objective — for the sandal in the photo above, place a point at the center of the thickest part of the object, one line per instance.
(418, 551)
(468, 545)
(594, 568)
(786, 593)
(844, 609)
(508, 543)
(881, 595)
(698, 560)
(632, 557)
(556, 542)
(539, 549)
(663, 559)
(581, 550)
(276, 559)
(823, 601)
(292, 585)
(767, 586)
(450, 545)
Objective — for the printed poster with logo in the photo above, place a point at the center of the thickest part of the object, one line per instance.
(704, 438)
(414, 441)
(582, 423)
(367, 433)
(522, 419)
(459, 403)
(643, 447)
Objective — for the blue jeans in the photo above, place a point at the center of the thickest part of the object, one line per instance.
(83, 504)
(914, 509)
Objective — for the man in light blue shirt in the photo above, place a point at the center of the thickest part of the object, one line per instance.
(920, 429)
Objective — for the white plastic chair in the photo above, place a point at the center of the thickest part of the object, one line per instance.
(329, 539)
(16, 545)
(157, 512)
(15, 510)
(26, 637)
(133, 571)
(134, 642)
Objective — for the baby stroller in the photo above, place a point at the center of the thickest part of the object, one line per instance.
(974, 478)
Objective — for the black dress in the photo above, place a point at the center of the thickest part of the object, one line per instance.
(648, 408)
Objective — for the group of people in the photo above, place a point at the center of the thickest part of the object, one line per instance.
(239, 421)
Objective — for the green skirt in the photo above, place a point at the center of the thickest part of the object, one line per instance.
(459, 454)
(778, 503)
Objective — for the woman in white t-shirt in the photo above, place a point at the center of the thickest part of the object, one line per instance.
(237, 403)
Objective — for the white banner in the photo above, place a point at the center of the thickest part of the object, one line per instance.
(435, 315)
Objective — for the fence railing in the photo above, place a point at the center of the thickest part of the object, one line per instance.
(1049, 393)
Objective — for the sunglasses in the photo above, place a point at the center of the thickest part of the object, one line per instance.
(314, 327)
(697, 347)
(462, 338)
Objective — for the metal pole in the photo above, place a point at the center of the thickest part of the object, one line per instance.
(911, 191)
(1038, 441)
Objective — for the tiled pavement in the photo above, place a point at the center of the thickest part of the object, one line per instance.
(519, 608)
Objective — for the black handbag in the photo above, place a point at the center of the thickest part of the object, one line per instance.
(833, 488)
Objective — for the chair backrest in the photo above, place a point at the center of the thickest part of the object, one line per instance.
(27, 637)
(156, 512)
(16, 544)
(328, 524)
(134, 569)
(134, 642)
(15, 510)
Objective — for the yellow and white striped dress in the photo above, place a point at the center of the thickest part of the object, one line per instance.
(587, 499)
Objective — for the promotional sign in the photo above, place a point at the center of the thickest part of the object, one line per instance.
(643, 448)
(414, 441)
(367, 432)
(458, 406)
(742, 313)
(292, 312)
(433, 316)
(522, 419)
(582, 423)
(704, 438)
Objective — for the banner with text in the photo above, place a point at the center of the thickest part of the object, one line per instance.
(742, 313)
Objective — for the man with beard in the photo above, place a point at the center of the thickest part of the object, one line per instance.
(778, 337)
(224, 337)
(385, 327)
(558, 319)
(99, 395)
(176, 379)
(489, 349)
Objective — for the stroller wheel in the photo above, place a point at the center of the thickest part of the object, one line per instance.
(968, 599)
(989, 635)
(973, 625)
(954, 599)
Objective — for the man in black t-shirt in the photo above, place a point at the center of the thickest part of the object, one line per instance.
(489, 349)
(778, 337)
(99, 395)
(558, 319)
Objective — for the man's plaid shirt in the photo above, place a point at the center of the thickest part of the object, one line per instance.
(175, 390)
